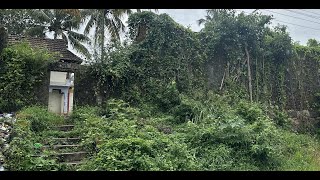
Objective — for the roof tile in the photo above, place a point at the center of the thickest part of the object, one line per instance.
(53, 45)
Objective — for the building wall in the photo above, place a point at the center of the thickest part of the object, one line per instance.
(55, 103)
(64, 82)
(58, 78)
(62, 103)
(70, 100)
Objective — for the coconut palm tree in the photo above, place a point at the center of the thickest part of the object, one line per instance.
(63, 23)
(104, 21)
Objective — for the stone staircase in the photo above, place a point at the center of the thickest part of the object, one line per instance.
(66, 150)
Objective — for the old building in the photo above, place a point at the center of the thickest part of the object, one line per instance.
(58, 87)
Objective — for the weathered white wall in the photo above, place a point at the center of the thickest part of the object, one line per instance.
(59, 104)
(58, 78)
(70, 100)
(55, 102)
(62, 104)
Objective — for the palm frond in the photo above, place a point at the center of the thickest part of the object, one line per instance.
(89, 25)
(79, 47)
(72, 23)
(201, 21)
(73, 12)
(119, 13)
(40, 15)
(79, 37)
(112, 28)
(64, 37)
(87, 12)
(49, 13)
(119, 24)
(104, 20)
(96, 35)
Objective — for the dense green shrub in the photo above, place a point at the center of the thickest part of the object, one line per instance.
(223, 138)
(22, 71)
(301, 152)
(245, 132)
(187, 110)
(19, 157)
(40, 118)
(166, 97)
(80, 114)
(119, 110)
(182, 113)
(3, 38)
(122, 135)
(280, 117)
(26, 137)
(249, 111)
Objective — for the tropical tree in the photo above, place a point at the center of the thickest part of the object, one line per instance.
(251, 29)
(64, 24)
(104, 21)
(277, 56)
(3, 38)
(234, 37)
(16, 21)
(313, 43)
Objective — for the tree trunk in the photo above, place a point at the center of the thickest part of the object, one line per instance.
(237, 69)
(249, 72)
(221, 85)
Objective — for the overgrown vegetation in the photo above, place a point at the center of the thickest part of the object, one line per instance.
(173, 99)
(22, 70)
(222, 136)
(28, 137)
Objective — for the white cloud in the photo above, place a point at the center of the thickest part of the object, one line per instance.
(186, 17)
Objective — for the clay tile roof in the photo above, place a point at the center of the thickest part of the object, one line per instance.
(53, 45)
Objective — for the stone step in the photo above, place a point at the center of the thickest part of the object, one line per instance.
(65, 127)
(66, 156)
(62, 146)
(64, 134)
(66, 141)
(73, 163)
(71, 156)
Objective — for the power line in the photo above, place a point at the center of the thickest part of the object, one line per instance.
(315, 17)
(292, 16)
(288, 22)
(297, 25)
(309, 12)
